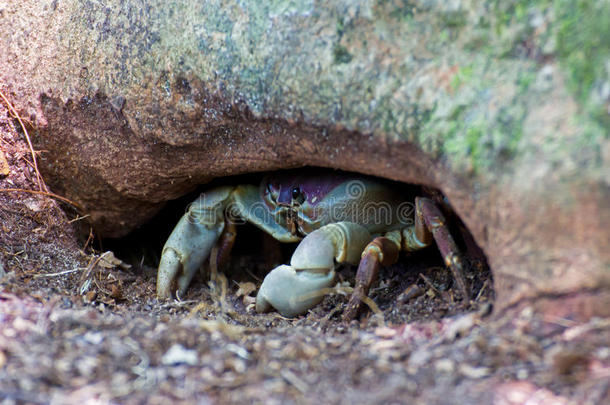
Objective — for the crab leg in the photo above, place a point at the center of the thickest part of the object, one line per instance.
(436, 224)
(191, 241)
(429, 225)
(222, 251)
(294, 289)
(382, 251)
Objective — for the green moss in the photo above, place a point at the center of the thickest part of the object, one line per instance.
(474, 135)
(403, 11)
(454, 19)
(581, 30)
(341, 54)
(509, 12)
(463, 75)
(525, 80)
(480, 144)
(444, 36)
(583, 39)
(340, 27)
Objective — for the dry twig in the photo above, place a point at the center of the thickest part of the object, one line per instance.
(41, 185)
(45, 193)
(42, 188)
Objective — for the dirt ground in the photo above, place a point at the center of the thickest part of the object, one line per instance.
(82, 325)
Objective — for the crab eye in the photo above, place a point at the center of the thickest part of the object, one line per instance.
(296, 192)
(297, 195)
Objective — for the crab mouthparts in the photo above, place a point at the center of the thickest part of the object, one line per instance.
(291, 216)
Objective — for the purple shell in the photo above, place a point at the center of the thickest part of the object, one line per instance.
(311, 182)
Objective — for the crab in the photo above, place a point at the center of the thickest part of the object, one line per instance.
(337, 217)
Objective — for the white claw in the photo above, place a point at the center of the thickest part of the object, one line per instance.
(316, 251)
(292, 292)
(341, 241)
(190, 242)
(294, 289)
(170, 267)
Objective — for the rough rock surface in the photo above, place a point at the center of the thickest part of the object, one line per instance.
(501, 105)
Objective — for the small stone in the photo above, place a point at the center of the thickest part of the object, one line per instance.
(4, 167)
(116, 292)
(603, 353)
(245, 289)
(238, 350)
(34, 205)
(178, 354)
(444, 366)
(93, 338)
(23, 325)
(2, 272)
(385, 332)
(86, 366)
(89, 297)
(109, 261)
(474, 372)
(461, 326)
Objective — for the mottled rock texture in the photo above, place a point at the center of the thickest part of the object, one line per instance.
(503, 105)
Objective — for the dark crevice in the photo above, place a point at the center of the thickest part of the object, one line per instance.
(255, 253)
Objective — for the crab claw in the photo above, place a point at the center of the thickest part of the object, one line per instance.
(292, 292)
(294, 289)
(183, 254)
(190, 242)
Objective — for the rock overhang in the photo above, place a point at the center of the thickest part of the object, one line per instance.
(477, 108)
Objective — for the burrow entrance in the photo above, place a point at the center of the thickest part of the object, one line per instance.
(418, 287)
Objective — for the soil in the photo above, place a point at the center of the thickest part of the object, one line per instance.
(79, 323)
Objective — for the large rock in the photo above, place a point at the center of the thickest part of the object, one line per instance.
(504, 106)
